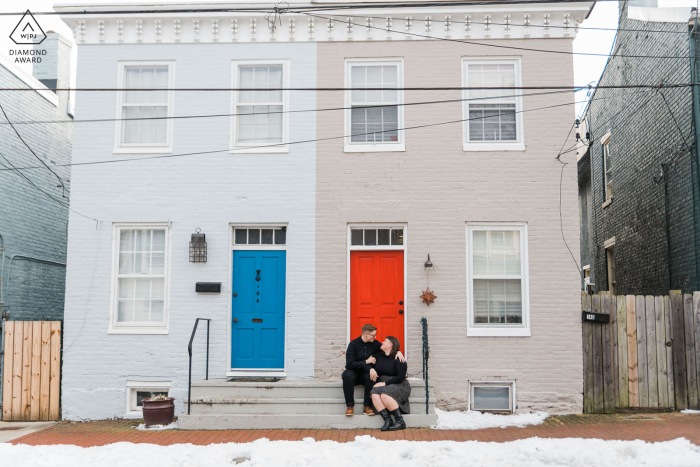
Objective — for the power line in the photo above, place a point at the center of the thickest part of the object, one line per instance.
(60, 180)
(243, 150)
(498, 46)
(98, 120)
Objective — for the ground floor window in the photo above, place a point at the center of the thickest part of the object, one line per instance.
(137, 391)
(492, 396)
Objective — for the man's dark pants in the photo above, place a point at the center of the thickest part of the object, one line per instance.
(352, 378)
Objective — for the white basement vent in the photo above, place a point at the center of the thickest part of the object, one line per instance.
(492, 397)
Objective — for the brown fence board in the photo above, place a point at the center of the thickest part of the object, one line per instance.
(691, 365)
(17, 372)
(662, 374)
(7, 366)
(652, 370)
(26, 370)
(36, 371)
(696, 327)
(55, 383)
(669, 351)
(28, 346)
(622, 368)
(608, 380)
(679, 364)
(598, 394)
(45, 369)
(587, 357)
(640, 309)
(632, 363)
(615, 358)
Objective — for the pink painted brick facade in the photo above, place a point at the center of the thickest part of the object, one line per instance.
(436, 188)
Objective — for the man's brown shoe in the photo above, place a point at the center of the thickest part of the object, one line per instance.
(350, 411)
(368, 411)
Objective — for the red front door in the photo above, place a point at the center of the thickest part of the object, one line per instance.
(376, 293)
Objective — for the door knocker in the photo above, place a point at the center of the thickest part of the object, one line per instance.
(257, 277)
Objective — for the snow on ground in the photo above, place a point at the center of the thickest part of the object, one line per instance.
(172, 426)
(690, 411)
(471, 420)
(532, 452)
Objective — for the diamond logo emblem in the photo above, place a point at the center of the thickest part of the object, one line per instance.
(28, 31)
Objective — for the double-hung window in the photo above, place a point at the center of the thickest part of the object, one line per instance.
(144, 107)
(374, 118)
(140, 279)
(608, 166)
(497, 280)
(260, 107)
(493, 117)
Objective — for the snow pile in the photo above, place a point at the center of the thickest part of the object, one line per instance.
(532, 452)
(172, 426)
(471, 420)
(690, 411)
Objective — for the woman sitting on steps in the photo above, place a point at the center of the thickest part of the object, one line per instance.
(390, 394)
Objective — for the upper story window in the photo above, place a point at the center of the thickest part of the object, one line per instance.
(493, 119)
(607, 166)
(260, 119)
(145, 107)
(374, 119)
(140, 279)
(497, 276)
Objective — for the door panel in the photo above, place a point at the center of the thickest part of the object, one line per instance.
(258, 309)
(376, 287)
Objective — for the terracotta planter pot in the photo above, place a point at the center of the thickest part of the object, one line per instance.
(158, 412)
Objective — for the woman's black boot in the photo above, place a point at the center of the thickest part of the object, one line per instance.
(399, 423)
(387, 419)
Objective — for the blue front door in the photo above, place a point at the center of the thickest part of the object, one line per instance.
(257, 315)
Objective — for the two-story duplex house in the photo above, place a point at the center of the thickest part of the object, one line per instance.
(324, 154)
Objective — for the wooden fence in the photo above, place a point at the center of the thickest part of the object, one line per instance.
(32, 370)
(648, 355)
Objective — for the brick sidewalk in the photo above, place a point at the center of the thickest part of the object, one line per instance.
(647, 427)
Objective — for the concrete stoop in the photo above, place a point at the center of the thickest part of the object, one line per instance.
(296, 404)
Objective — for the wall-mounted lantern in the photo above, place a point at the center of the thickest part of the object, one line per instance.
(198, 247)
(428, 265)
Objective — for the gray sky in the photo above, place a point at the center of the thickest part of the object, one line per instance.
(586, 69)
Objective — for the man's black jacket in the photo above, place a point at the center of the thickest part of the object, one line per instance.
(358, 352)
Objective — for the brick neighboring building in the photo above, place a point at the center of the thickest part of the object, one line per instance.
(640, 226)
(34, 228)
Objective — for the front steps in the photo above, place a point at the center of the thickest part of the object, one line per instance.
(295, 404)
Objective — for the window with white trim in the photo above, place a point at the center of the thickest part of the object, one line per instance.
(140, 278)
(375, 116)
(492, 117)
(492, 396)
(137, 391)
(260, 117)
(607, 164)
(497, 280)
(143, 122)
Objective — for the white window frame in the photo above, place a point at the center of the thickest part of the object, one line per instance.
(259, 148)
(141, 328)
(132, 387)
(144, 148)
(502, 330)
(605, 143)
(398, 146)
(508, 384)
(519, 143)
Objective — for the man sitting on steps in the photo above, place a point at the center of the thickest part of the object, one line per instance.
(358, 356)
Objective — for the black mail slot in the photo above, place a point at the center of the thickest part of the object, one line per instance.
(214, 287)
(596, 317)
(257, 320)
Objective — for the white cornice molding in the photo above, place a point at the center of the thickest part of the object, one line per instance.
(100, 24)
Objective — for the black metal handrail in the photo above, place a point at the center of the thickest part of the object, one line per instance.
(426, 355)
(189, 350)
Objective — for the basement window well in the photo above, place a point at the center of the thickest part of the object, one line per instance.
(493, 397)
(137, 391)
